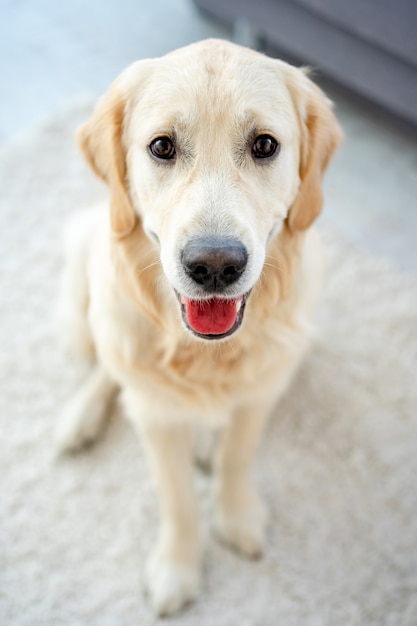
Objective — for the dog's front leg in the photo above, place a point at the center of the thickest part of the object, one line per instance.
(240, 514)
(174, 568)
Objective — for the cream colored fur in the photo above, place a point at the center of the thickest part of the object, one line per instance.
(123, 266)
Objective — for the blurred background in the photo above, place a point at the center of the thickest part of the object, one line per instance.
(364, 54)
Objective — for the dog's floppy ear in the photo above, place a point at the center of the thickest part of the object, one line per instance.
(101, 140)
(319, 137)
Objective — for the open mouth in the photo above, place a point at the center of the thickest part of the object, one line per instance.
(213, 318)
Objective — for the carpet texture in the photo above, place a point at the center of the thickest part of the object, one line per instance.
(338, 466)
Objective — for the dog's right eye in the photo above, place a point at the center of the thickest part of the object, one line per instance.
(163, 148)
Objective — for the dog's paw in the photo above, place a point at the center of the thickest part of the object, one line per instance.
(76, 427)
(170, 586)
(85, 416)
(242, 530)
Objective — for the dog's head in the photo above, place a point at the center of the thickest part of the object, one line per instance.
(210, 151)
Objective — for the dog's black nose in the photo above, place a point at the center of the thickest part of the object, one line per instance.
(214, 263)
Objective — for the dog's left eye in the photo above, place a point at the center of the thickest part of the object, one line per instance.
(163, 148)
(265, 147)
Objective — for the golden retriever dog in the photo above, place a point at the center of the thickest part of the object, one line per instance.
(194, 292)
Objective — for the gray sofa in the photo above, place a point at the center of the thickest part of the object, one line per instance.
(368, 46)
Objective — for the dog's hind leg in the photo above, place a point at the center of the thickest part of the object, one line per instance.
(74, 300)
(87, 413)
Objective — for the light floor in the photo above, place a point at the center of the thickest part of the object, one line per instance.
(54, 52)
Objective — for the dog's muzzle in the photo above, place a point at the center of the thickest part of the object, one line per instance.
(213, 265)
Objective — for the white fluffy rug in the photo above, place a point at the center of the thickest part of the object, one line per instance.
(338, 466)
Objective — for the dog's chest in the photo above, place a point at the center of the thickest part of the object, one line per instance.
(212, 378)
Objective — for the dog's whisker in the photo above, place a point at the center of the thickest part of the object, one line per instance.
(147, 267)
(154, 250)
(281, 267)
(276, 267)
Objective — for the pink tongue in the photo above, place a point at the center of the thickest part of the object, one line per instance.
(211, 317)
